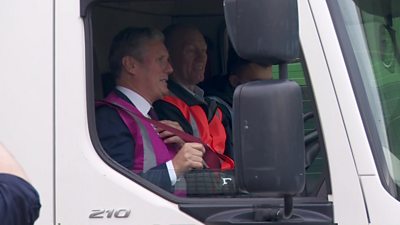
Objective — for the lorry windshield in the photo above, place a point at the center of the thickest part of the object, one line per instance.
(373, 30)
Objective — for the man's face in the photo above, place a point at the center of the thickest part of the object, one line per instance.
(190, 58)
(153, 70)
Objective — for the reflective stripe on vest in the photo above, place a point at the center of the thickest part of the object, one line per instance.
(212, 133)
(218, 113)
(149, 159)
(192, 121)
(193, 124)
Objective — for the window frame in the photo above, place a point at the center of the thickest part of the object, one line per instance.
(200, 208)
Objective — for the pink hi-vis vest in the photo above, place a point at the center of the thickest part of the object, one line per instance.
(150, 150)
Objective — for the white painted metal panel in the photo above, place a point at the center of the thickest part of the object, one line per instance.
(346, 190)
(26, 92)
(382, 207)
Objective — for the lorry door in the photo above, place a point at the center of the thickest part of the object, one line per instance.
(94, 189)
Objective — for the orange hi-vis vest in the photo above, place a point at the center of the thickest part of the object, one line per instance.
(205, 125)
(212, 133)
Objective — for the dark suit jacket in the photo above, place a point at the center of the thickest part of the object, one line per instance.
(19, 201)
(119, 144)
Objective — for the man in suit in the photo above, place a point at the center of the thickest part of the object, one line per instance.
(19, 201)
(139, 61)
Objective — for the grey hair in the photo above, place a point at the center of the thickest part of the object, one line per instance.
(129, 42)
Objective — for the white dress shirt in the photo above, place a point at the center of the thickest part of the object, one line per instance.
(144, 107)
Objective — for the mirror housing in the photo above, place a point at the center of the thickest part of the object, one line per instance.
(267, 115)
(268, 136)
(275, 39)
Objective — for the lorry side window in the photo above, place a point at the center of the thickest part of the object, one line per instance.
(106, 19)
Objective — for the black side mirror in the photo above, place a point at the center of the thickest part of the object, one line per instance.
(267, 119)
(269, 139)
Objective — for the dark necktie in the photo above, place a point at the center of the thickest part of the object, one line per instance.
(152, 113)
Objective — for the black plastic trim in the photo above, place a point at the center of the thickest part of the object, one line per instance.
(86, 5)
(218, 213)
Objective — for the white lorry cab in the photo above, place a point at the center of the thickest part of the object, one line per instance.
(319, 144)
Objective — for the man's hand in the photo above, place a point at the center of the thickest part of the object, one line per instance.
(190, 156)
(169, 137)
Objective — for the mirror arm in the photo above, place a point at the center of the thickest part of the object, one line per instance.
(288, 207)
(264, 213)
(283, 71)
